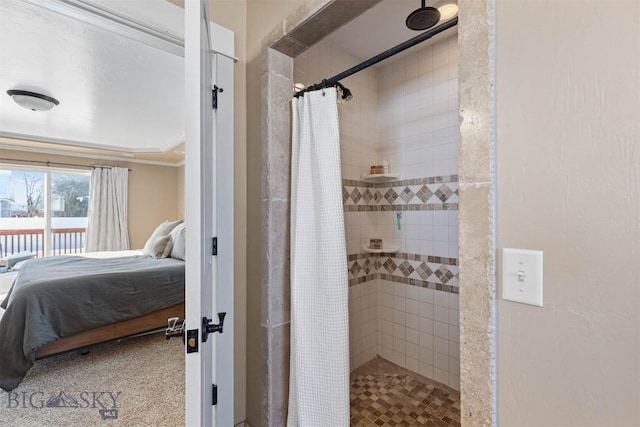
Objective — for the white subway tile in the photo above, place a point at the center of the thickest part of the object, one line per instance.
(399, 345)
(426, 340)
(426, 310)
(453, 249)
(441, 298)
(413, 292)
(454, 381)
(426, 325)
(399, 289)
(441, 314)
(399, 359)
(412, 350)
(441, 233)
(413, 307)
(399, 317)
(441, 361)
(412, 336)
(387, 327)
(387, 353)
(426, 369)
(441, 249)
(454, 301)
(454, 350)
(426, 355)
(454, 366)
(399, 303)
(412, 364)
(387, 341)
(386, 300)
(454, 334)
(427, 295)
(399, 331)
(412, 321)
(454, 317)
(441, 330)
(440, 375)
(441, 345)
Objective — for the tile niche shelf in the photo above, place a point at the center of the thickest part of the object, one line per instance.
(389, 249)
(380, 177)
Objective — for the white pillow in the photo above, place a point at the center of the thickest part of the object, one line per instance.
(162, 230)
(178, 248)
(160, 247)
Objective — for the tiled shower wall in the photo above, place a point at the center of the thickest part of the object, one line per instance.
(403, 306)
(418, 136)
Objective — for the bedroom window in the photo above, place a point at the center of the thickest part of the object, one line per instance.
(43, 211)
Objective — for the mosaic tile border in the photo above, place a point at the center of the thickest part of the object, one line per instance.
(424, 271)
(405, 255)
(419, 194)
(402, 182)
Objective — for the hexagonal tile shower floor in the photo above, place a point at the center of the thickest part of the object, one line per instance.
(384, 394)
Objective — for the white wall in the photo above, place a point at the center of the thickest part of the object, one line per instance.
(568, 167)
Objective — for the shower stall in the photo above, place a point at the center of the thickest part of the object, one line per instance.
(399, 155)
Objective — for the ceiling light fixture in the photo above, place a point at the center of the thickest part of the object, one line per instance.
(447, 8)
(32, 101)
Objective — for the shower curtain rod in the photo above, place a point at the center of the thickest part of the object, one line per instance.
(48, 163)
(381, 57)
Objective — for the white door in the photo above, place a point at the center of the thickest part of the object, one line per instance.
(208, 189)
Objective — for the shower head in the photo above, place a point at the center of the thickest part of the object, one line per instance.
(423, 18)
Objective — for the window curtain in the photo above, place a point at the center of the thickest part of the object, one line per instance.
(108, 228)
(319, 369)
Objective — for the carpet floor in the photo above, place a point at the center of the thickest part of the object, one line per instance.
(133, 382)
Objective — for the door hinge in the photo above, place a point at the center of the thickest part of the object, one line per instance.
(214, 97)
(215, 246)
(214, 395)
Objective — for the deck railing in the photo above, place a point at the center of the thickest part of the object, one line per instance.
(64, 241)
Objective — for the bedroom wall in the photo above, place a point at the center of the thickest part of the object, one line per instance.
(180, 189)
(153, 191)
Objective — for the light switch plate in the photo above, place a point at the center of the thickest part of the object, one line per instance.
(522, 276)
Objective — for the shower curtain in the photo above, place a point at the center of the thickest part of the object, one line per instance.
(319, 373)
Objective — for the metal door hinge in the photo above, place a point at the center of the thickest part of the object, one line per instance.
(215, 246)
(214, 395)
(214, 93)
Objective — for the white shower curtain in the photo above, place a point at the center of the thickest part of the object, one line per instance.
(108, 227)
(319, 375)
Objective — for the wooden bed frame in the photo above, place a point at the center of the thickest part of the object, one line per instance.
(111, 332)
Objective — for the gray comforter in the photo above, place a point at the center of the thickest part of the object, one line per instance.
(59, 296)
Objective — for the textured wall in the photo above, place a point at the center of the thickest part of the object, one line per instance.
(569, 184)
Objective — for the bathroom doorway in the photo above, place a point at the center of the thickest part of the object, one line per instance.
(399, 151)
(405, 302)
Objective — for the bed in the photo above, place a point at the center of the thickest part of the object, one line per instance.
(64, 302)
